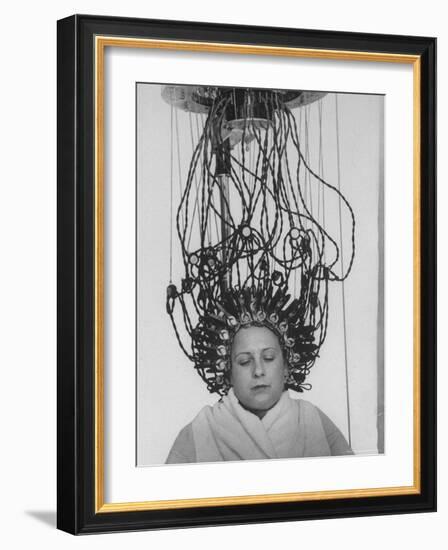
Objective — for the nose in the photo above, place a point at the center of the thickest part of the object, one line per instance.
(258, 368)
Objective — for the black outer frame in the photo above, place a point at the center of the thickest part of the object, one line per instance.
(75, 403)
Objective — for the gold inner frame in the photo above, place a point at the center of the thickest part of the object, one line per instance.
(101, 42)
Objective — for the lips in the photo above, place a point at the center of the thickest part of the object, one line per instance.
(260, 387)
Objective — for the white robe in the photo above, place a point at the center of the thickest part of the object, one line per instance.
(226, 431)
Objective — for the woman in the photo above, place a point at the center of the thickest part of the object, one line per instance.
(257, 419)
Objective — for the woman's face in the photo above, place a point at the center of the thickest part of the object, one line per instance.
(258, 369)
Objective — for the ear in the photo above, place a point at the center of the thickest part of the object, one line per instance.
(285, 370)
(230, 373)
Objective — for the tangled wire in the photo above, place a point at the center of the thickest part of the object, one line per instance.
(254, 249)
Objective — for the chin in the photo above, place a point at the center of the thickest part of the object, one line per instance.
(264, 404)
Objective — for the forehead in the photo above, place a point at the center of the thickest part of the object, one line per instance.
(254, 338)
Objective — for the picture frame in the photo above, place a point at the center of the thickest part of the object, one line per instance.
(83, 418)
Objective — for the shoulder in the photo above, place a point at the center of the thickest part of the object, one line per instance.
(183, 449)
(336, 440)
(305, 403)
(310, 414)
(307, 408)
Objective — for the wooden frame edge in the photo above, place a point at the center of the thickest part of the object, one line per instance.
(100, 43)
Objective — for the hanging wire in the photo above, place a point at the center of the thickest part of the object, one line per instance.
(196, 202)
(271, 239)
(179, 171)
(171, 194)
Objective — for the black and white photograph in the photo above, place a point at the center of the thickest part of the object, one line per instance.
(259, 274)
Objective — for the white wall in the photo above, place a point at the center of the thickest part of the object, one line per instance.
(28, 272)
